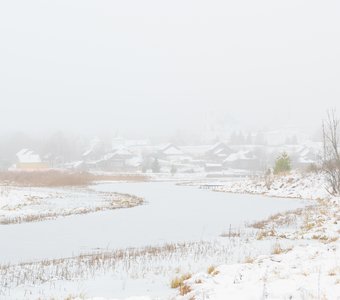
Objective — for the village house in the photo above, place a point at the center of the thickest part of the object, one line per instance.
(28, 160)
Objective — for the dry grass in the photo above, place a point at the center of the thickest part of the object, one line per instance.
(231, 233)
(334, 272)
(117, 201)
(280, 219)
(73, 297)
(45, 178)
(249, 260)
(175, 283)
(307, 219)
(212, 271)
(320, 237)
(178, 282)
(88, 265)
(262, 234)
(277, 249)
(122, 177)
(332, 239)
(55, 178)
(184, 289)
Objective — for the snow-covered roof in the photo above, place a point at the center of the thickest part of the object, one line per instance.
(199, 150)
(170, 149)
(28, 156)
(121, 150)
(241, 155)
(216, 145)
(93, 144)
(74, 165)
(211, 165)
(134, 161)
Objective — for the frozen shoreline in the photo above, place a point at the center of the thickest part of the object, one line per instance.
(309, 269)
(33, 204)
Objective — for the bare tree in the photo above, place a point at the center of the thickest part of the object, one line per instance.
(331, 158)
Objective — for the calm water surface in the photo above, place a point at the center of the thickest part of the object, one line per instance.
(171, 213)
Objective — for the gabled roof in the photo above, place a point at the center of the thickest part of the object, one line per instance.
(241, 155)
(93, 145)
(28, 156)
(119, 151)
(219, 149)
(171, 149)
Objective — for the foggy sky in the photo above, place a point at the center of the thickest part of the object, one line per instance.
(146, 67)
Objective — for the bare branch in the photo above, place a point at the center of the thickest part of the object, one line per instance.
(331, 158)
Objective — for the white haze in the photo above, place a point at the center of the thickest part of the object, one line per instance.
(156, 67)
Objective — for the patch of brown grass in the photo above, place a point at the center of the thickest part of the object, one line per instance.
(56, 178)
(184, 289)
(249, 260)
(48, 178)
(212, 271)
(262, 234)
(177, 282)
(121, 177)
(281, 219)
(232, 233)
(332, 239)
(331, 273)
(73, 297)
(322, 238)
(277, 249)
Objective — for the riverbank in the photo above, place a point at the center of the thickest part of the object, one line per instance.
(308, 268)
(33, 204)
(295, 185)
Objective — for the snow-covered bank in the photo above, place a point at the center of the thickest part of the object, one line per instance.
(139, 271)
(307, 269)
(306, 272)
(295, 185)
(28, 204)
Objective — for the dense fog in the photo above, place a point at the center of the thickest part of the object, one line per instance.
(186, 73)
(150, 68)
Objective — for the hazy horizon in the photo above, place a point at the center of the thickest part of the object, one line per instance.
(152, 68)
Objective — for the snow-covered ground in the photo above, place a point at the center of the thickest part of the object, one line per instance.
(295, 185)
(288, 255)
(306, 269)
(305, 260)
(23, 204)
(306, 272)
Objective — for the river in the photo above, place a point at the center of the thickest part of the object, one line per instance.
(172, 213)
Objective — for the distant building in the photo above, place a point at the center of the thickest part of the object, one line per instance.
(243, 159)
(118, 159)
(28, 160)
(218, 153)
